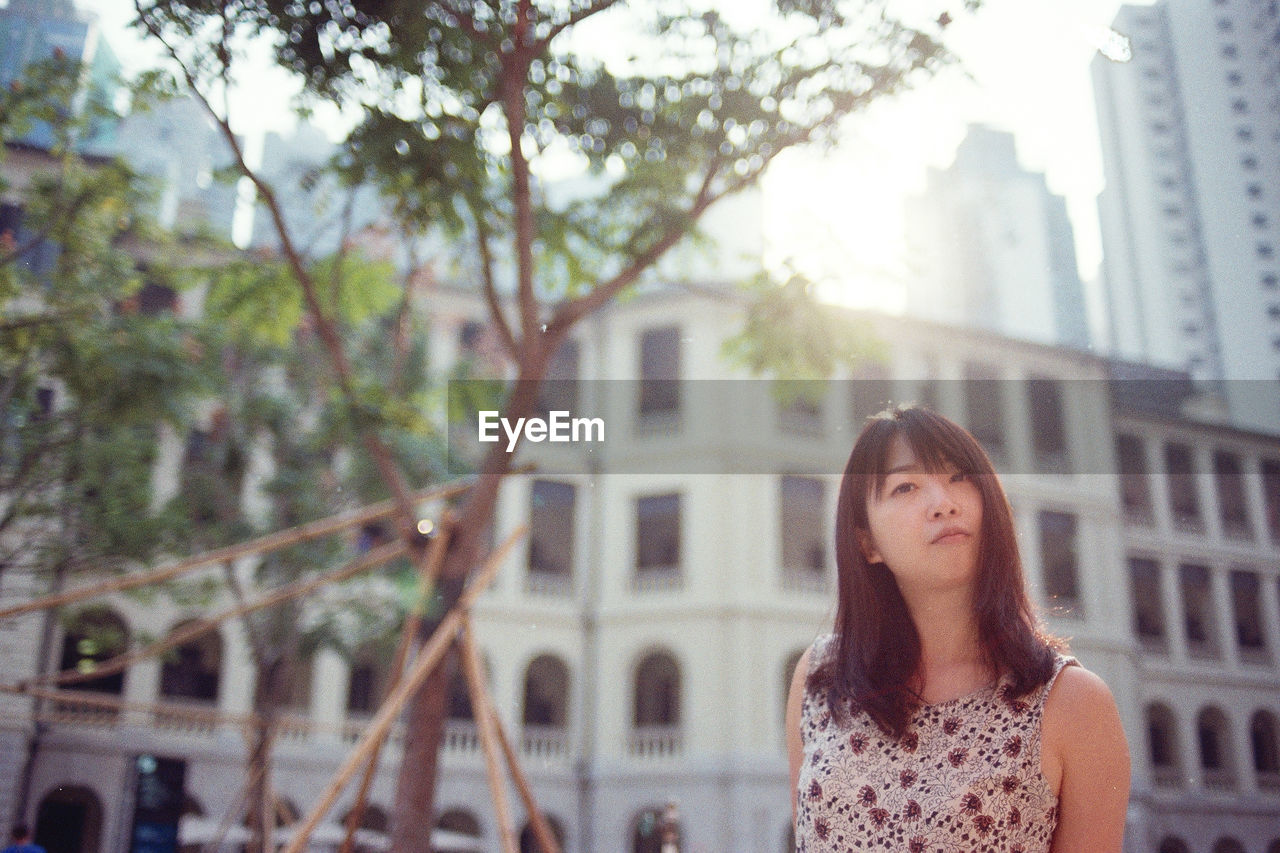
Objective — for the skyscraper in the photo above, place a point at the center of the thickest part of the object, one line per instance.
(993, 248)
(1190, 216)
(31, 32)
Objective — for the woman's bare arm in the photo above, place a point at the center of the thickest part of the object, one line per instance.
(1085, 752)
(795, 746)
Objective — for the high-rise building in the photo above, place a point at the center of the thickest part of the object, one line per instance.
(37, 30)
(319, 212)
(1190, 216)
(993, 248)
(178, 147)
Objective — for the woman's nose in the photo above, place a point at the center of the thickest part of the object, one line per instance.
(943, 504)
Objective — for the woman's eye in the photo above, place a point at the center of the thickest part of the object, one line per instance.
(902, 488)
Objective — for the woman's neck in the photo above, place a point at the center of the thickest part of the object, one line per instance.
(952, 662)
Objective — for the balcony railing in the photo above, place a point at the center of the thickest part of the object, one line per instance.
(655, 742)
(1219, 779)
(657, 579)
(546, 742)
(461, 737)
(1166, 777)
(550, 584)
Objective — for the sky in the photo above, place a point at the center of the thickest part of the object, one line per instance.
(1024, 68)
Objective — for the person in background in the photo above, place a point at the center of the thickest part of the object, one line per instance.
(939, 715)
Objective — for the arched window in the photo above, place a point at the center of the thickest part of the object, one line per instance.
(1173, 845)
(69, 820)
(1162, 745)
(657, 691)
(367, 683)
(647, 830)
(546, 692)
(296, 686)
(92, 637)
(529, 841)
(192, 669)
(371, 834)
(456, 830)
(459, 707)
(1227, 845)
(1266, 755)
(1214, 737)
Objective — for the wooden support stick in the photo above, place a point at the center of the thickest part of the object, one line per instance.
(270, 542)
(428, 658)
(84, 698)
(119, 663)
(430, 567)
(485, 715)
(541, 829)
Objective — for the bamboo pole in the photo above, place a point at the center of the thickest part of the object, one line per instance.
(119, 663)
(428, 658)
(429, 569)
(270, 542)
(206, 716)
(541, 829)
(485, 715)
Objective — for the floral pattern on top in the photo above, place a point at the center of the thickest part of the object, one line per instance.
(965, 777)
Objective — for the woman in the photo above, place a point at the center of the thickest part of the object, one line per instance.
(938, 716)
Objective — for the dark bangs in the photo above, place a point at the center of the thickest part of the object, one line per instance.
(936, 442)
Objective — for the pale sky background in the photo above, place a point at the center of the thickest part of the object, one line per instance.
(1025, 69)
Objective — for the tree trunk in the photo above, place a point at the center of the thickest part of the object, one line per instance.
(258, 797)
(414, 815)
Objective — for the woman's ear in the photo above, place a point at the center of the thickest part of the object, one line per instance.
(868, 547)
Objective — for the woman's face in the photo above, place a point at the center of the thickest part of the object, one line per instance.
(924, 525)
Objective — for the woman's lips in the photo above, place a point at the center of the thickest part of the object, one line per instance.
(951, 535)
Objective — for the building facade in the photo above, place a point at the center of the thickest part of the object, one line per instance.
(1201, 518)
(639, 642)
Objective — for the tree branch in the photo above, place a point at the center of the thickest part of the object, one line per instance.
(574, 18)
(490, 286)
(514, 68)
(573, 311)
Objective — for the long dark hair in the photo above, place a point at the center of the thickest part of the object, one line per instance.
(876, 653)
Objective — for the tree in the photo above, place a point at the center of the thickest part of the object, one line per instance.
(466, 103)
(87, 373)
(272, 406)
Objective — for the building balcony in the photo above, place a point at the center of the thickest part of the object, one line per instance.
(655, 743)
(549, 584)
(1268, 781)
(1166, 777)
(550, 743)
(657, 579)
(1219, 779)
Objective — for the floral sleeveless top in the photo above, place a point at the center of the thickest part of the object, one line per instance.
(965, 777)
